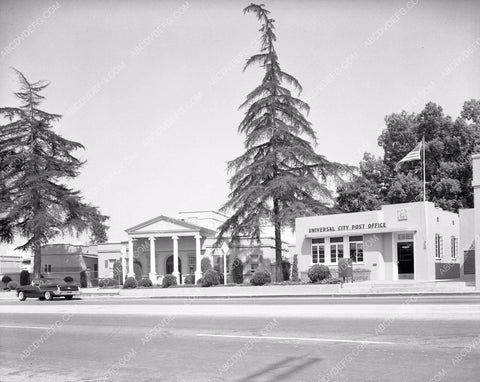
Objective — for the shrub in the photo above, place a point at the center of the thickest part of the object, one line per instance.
(205, 264)
(295, 268)
(318, 272)
(190, 279)
(118, 270)
(12, 285)
(24, 277)
(210, 277)
(6, 279)
(331, 280)
(199, 281)
(237, 271)
(221, 278)
(145, 283)
(261, 278)
(83, 279)
(102, 283)
(130, 282)
(286, 270)
(168, 281)
(68, 279)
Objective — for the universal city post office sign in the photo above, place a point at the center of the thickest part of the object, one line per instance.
(348, 227)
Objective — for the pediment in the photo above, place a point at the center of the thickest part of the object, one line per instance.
(164, 224)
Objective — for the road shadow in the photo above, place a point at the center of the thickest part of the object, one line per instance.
(283, 370)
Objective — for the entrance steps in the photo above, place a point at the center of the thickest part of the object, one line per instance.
(407, 286)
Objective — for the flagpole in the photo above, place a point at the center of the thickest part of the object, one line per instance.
(425, 239)
(423, 166)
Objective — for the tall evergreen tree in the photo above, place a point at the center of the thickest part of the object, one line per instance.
(35, 162)
(276, 179)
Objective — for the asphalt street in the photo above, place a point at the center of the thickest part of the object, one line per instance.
(301, 339)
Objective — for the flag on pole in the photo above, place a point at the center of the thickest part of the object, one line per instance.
(415, 154)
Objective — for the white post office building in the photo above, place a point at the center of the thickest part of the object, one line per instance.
(402, 241)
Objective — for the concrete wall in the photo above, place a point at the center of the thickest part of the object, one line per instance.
(447, 271)
(446, 224)
(467, 239)
(374, 255)
(476, 190)
(390, 257)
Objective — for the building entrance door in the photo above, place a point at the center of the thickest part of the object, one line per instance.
(169, 266)
(405, 258)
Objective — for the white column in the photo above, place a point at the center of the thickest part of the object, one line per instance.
(198, 257)
(124, 263)
(131, 273)
(476, 202)
(175, 259)
(153, 270)
(394, 258)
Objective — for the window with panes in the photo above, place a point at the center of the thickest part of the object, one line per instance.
(453, 247)
(336, 249)
(318, 251)
(438, 246)
(356, 248)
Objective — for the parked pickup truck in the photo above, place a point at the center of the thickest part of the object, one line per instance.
(47, 290)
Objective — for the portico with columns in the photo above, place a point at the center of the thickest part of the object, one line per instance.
(164, 245)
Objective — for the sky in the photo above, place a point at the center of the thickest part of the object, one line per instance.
(152, 88)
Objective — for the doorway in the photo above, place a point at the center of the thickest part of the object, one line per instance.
(405, 260)
(169, 266)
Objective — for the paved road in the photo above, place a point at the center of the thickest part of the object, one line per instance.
(315, 339)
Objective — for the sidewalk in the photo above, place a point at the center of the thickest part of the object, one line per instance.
(398, 288)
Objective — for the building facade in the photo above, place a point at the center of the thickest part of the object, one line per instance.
(165, 245)
(61, 260)
(476, 218)
(401, 241)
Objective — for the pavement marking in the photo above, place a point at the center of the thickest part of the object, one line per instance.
(297, 339)
(24, 327)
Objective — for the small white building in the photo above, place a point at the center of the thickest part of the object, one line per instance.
(400, 241)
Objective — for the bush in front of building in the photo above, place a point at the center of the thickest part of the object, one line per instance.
(83, 279)
(12, 285)
(318, 272)
(145, 282)
(331, 280)
(103, 283)
(286, 270)
(199, 281)
(24, 277)
(168, 281)
(221, 277)
(295, 269)
(118, 270)
(260, 278)
(237, 271)
(205, 264)
(189, 279)
(210, 278)
(6, 279)
(130, 282)
(68, 279)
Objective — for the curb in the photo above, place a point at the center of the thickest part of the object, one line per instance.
(116, 295)
(279, 296)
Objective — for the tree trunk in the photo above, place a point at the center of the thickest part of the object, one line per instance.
(278, 242)
(37, 261)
